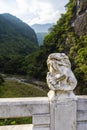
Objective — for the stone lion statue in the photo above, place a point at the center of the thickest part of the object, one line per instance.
(60, 76)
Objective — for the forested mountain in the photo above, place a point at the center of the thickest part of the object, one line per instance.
(16, 37)
(69, 36)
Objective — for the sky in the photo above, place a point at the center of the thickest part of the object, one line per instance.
(34, 11)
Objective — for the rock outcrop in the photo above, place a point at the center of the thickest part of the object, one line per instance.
(81, 6)
(80, 24)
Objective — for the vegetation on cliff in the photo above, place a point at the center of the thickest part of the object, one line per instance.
(63, 38)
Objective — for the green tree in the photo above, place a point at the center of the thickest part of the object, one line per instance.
(1, 79)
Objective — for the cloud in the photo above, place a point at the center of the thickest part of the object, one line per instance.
(22, 6)
(43, 12)
(34, 11)
(7, 6)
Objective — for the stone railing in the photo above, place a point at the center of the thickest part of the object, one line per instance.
(81, 115)
(61, 110)
(40, 110)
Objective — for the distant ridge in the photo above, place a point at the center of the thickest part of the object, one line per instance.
(16, 37)
(42, 30)
(42, 27)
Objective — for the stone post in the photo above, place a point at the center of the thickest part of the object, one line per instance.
(61, 81)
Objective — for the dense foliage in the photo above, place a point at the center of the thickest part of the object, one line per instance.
(17, 39)
(55, 41)
(63, 38)
(1, 79)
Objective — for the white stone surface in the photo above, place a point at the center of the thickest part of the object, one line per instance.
(60, 77)
(23, 127)
(82, 103)
(82, 116)
(41, 119)
(65, 116)
(23, 107)
(82, 125)
(17, 127)
(61, 81)
(82, 113)
(41, 128)
(62, 114)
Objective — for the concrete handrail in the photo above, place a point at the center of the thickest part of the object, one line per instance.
(23, 107)
(39, 109)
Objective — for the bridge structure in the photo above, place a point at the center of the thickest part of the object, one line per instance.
(60, 110)
(42, 111)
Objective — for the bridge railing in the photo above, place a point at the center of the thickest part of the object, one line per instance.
(40, 110)
(81, 113)
(61, 110)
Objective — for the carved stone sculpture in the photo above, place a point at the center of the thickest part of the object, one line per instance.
(60, 78)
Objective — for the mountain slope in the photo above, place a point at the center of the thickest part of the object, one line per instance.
(16, 37)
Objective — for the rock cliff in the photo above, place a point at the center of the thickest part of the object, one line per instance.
(80, 23)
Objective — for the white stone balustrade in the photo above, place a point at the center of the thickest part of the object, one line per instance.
(39, 109)
(81, 113)
(61, 82)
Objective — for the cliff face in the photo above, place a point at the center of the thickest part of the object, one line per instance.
(80, 24)
(81, 6)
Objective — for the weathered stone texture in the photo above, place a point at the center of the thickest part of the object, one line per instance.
(82, 113)
(60, 78)
(61, 81)
(81, 24)
(17, 127)
(82, 5)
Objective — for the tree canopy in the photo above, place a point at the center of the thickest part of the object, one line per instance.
(62, 38)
